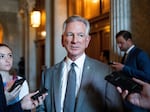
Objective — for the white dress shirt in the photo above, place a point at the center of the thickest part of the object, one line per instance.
(78, 68)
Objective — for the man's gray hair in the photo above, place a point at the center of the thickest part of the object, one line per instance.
(77, 18)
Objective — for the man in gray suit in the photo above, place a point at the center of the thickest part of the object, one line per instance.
(92, 92)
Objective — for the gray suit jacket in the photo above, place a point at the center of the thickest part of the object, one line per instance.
(95, 94)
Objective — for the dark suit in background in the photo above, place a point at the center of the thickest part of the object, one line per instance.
(137, 64)
(95, 94)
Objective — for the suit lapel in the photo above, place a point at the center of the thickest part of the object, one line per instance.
(86, 78)
(57, 86)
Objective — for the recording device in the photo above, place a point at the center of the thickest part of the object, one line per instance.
(41, 91)
(16, 83)
(124, 82)
(110, 63)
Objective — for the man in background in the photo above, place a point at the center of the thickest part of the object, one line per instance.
(135, 62)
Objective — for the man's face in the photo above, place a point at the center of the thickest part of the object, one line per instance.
(122, 43)
(6, 59)
(75, 39)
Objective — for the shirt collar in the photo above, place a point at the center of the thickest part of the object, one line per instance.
(79, 62)
(130, 49)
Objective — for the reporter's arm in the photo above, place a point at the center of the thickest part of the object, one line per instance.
(141, 99)
(27, 103)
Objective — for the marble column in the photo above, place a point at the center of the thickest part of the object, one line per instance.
(49, 34)
(56, 13)
(120, 20)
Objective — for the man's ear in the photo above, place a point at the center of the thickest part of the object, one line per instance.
(62, 40)
(88, 40)
(129, 41)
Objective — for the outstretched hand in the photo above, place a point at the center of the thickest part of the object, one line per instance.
(141, 99)
(28, 103)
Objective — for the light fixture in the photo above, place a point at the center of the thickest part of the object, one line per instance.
(35, 19)
(95, 1)
(43, 33)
